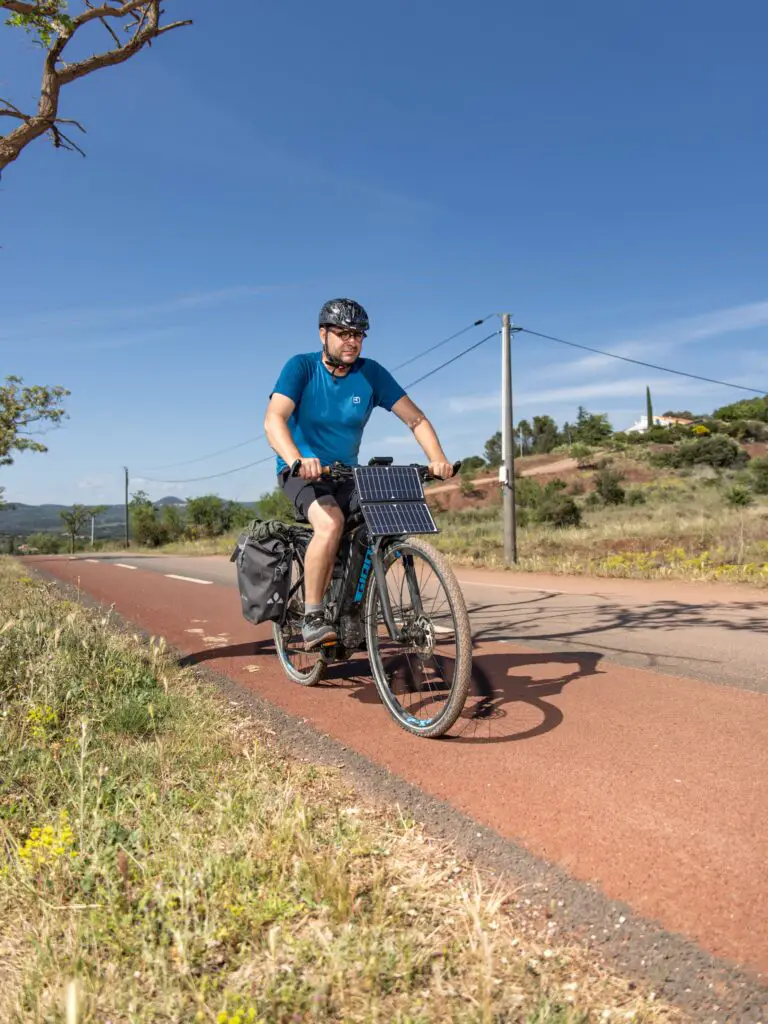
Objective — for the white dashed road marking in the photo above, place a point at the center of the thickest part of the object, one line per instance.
(93, 560)
(188, 579)
(122, 565)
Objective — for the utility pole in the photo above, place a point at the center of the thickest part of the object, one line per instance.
(507, 471)
(93, 528)
(127, 535)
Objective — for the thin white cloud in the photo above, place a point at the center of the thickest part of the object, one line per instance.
(659, 341)
(66, 321)
(633, 387)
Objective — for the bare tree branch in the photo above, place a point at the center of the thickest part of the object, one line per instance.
(105, 23)
(173, 25)
(62, 141)
(106, 11)
(19, 7)
(145, 26)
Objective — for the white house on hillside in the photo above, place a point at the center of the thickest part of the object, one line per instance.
(641, 425)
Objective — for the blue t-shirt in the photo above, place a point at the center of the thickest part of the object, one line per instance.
(331, 412)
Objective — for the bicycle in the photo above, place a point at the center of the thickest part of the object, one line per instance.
(392, 593)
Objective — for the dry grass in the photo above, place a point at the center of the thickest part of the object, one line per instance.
(161, 853)
(685, 530)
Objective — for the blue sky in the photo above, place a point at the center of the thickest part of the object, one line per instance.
(596, 169)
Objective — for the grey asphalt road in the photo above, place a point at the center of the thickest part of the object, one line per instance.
(713, 632)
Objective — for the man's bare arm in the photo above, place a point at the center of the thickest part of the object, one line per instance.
(425, 434)
(278, 433)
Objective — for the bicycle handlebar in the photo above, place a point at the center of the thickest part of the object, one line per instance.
(337, 471)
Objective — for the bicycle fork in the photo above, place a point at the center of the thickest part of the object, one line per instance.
(398, 635)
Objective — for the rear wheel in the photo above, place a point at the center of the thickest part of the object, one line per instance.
(305, 667)
(424, 680)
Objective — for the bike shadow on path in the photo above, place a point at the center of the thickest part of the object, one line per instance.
(505, 704)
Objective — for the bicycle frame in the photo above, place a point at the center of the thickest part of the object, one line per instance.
(354, 586)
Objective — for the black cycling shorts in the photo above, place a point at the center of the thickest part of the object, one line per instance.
(303, 492)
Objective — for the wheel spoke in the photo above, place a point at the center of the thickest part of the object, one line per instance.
(419, 673)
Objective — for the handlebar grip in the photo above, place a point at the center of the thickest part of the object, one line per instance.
(294, 471)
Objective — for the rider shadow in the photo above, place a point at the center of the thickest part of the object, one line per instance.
(503, 706)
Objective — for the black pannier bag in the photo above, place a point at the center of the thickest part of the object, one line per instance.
(263, 561)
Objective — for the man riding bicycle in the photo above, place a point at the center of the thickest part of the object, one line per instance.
(317, 413)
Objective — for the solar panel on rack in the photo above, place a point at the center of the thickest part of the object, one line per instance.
(384, 519)
(388, 483)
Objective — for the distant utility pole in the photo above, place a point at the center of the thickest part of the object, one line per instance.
(93, 528)
(127, 536)
(507, 470)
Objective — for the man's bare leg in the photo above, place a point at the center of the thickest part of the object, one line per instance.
(327, 521)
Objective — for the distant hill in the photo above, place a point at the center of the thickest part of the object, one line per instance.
(20, 520)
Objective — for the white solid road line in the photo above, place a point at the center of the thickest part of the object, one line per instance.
(122, 565)
(188, 579)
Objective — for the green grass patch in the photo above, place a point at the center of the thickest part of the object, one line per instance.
(162, 859)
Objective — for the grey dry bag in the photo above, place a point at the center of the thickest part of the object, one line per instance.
(263, 561)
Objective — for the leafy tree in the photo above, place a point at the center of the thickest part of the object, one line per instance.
(472, 464)
(583, 455)
(173, 521)
(46, 543)
(131, 26)
(22, 411)
(525, 434)
(591, 428)
(493, 450)
(746, 409)
(545, 434)
(214, 516)
(276, 505)
(75, 519)
(685, 414)
(145, 525)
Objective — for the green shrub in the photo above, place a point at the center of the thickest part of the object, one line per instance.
(758, 469)
(635, 497)
(608, 487)
(738, 495)
(555, 506)
(717, 450)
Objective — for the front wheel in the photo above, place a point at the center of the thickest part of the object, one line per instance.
(423, 680)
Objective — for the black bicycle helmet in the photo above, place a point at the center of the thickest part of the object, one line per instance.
(344, 313)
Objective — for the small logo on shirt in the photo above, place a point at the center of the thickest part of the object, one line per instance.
(356, 400)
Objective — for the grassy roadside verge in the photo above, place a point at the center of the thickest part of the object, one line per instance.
(157, 848)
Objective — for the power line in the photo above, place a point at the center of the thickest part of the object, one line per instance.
(639, 362)
(439, 344)
(202, 458)
(453, 360)
(259, 462)
(213, 476)
(251, 440)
